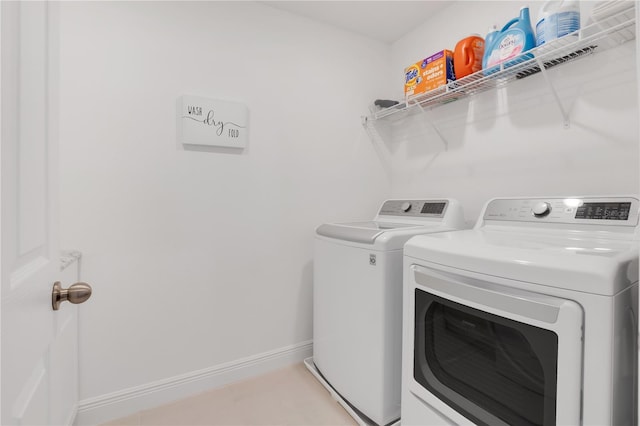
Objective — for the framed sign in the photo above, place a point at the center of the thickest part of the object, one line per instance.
(212, 122)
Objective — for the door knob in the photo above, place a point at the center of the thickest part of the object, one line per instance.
(76, 293)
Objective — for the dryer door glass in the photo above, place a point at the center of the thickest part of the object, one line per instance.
(489, 368)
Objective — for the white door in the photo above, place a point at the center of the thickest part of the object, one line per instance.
(39, 355)
(638, 89)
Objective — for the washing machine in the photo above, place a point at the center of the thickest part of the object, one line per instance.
(529, 318)
(357, 303)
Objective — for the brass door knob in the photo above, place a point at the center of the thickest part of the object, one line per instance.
(76, 293)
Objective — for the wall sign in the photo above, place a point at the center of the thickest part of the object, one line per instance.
(212, 122)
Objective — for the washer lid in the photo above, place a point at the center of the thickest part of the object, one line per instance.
(360, 232)
(591, 262)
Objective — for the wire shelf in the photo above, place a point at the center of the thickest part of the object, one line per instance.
(604, 33)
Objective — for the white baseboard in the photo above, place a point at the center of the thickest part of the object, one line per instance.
(104, 408)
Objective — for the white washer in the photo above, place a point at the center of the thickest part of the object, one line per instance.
(530, 318)
(357, 303)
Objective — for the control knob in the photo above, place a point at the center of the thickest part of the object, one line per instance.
(541, 209)
(405, 207)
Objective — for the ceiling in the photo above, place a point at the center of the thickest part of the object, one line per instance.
(386, 21)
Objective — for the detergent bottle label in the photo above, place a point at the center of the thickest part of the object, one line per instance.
(510, 46)
(557, 25)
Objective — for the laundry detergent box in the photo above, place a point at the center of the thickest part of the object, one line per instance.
(429, 74)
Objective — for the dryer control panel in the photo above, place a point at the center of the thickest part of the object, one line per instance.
(580, 210)
(414, 208)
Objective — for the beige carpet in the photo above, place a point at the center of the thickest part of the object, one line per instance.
(291, 396)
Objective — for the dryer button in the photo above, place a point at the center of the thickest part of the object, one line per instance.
(541, 209)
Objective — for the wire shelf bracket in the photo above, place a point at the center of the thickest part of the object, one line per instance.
(434, 127)
(565, 116)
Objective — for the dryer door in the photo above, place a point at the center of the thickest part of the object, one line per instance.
(495, 354)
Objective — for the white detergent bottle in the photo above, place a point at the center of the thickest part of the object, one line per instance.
(557, 18)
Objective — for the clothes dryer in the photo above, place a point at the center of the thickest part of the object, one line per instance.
(529, 318)
(357, 303)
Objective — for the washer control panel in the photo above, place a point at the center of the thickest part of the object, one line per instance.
(414, 208)
(613, 210)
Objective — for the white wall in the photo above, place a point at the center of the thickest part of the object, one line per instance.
(201, 258)
(511, 142)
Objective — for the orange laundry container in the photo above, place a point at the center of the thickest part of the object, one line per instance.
(467, 56)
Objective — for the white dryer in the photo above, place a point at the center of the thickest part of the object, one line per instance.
(530, 318)
(357, 303)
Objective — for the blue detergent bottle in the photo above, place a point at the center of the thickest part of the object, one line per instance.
(492, 33)
(508, 46)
